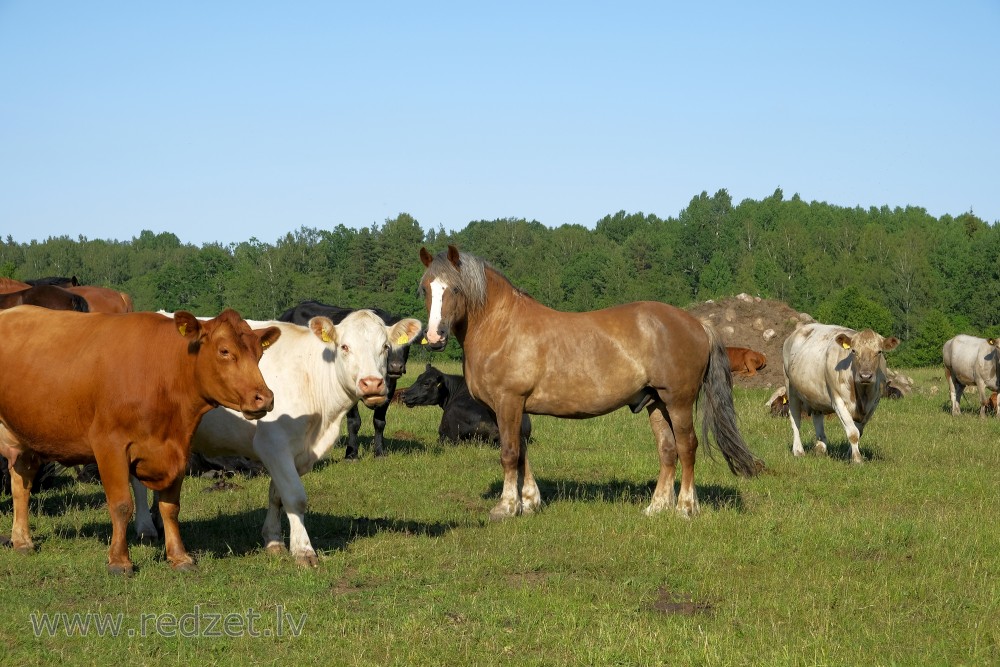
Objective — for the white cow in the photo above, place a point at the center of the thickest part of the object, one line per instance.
(831, 369)
(971, 361)
(317, 374)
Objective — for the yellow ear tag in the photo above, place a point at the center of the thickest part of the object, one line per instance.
(326, 337)
(183, 329)
(846, 346)
(424, 341)
(265, 343)
(402, 340)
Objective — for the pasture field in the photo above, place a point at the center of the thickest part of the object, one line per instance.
(815, 562)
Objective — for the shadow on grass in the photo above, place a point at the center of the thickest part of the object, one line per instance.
(238, 534)
(841, 451)
(616, 490)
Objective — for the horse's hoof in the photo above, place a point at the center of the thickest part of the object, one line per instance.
(501, 512)
(5, 541)
(276, 549)
(308, 559)
(120, 570)
(148, 538)
(185, 566)
(24, 548)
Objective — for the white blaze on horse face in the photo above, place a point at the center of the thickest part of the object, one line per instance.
(438, 287)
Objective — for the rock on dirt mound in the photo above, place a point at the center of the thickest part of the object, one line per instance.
(760, 324)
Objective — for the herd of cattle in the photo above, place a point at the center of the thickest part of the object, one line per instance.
(137, 392)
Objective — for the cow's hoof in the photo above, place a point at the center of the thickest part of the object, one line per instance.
(148, 538)
(308, 559)
(820, 448)
(276, 549)
(24, 548)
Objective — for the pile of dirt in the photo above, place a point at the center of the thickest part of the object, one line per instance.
(759, 324)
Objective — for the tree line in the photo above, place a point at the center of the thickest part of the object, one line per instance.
(900, 271)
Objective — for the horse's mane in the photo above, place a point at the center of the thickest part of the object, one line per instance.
(470, 276)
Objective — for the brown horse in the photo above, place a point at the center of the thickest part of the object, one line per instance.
(46, 296)
(520, 356)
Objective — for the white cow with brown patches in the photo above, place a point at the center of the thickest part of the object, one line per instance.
(834, 370)
(320, 372)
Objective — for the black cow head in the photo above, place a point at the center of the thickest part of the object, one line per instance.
(428, 389)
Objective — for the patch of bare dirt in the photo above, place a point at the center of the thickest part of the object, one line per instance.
(759, 324)
(671, 602)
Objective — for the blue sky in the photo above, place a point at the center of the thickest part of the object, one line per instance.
(222, 121)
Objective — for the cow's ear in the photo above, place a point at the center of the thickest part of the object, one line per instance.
(890, 343)
(426, 257)
(454, 256)
(844, 341)
(322, 328)
(267, 336)
(187, 324)
(404, 331)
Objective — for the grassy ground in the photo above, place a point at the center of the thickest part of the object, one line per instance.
(816, 562)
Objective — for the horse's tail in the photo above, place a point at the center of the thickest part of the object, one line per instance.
(720, 413)
(80, 304)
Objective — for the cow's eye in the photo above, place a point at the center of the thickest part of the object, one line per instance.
(345, 349)
(385, 348)
(224, 352)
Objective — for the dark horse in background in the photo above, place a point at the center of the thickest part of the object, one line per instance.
(15, 293)
(399, 352)
(464, 418)
(100, 299)
(521, 356)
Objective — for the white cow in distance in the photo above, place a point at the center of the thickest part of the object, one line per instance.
(968, 361)
(834, 370)
(317, 374)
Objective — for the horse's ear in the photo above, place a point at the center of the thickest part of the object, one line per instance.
(454, 257)
(425, 257)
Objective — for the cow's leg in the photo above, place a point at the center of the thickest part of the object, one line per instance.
(984, 397)
(113, 465)
(22, 467)
(286, 491)
(170, 507)
(519, 488)
(955, 389)
(847, 421)
(144, 527)
(274, 541)
(666, 446)
(819, 427)
(353, 426)
(378, 421)
(795, 414)
(289, 487)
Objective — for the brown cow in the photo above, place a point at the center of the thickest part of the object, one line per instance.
(126, 391)
(744, 361)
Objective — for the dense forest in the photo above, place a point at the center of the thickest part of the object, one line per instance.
(900, 271)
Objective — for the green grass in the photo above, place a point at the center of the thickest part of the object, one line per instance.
(816, 562)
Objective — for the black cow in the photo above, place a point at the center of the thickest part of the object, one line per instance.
(464, 417)
(398, 354)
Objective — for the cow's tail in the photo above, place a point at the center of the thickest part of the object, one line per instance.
(720, 413)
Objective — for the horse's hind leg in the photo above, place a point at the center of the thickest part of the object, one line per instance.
(682, 418)
(663, 495)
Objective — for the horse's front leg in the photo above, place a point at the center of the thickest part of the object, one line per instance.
(520, 492)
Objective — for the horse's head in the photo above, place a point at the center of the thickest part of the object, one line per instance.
(444, 294)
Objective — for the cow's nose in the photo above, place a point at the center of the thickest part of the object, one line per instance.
(371, 385)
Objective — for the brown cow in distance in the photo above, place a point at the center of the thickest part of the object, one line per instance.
(744, 361)
(127, 391)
